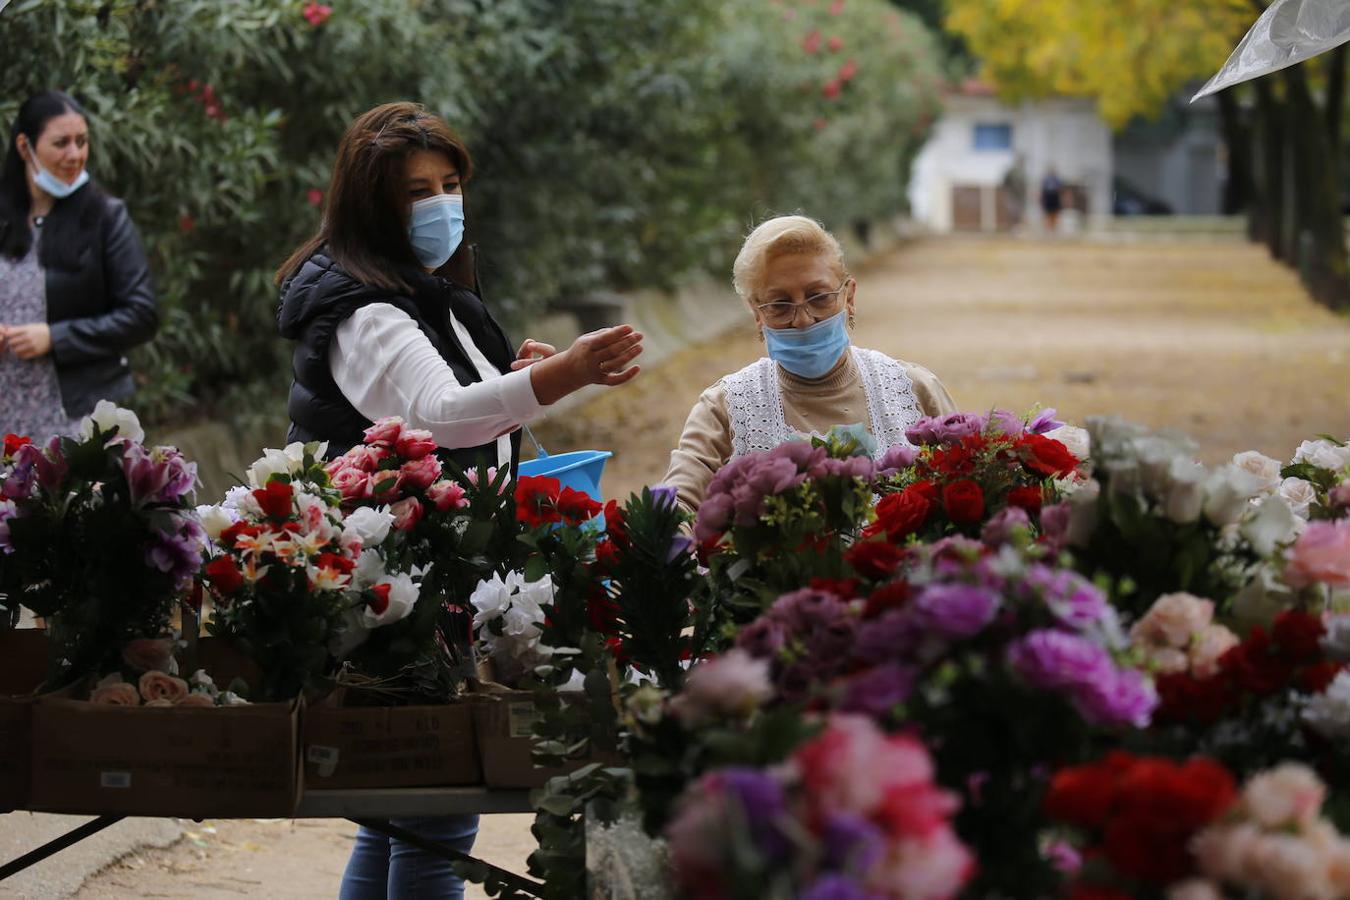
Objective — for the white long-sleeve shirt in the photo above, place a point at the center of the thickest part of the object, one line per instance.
(385, 366)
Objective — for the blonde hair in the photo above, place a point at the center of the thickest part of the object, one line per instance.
(781, 236)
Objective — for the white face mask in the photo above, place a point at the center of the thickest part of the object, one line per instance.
(53, 185)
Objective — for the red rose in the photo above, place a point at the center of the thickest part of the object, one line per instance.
(1046, 456)
(230, 536)
(885, 598)
(1298, 635)
(1255, 666)
(577, 506)
(1028, 497)
(602, 613)
(606, 555)
(14, 441)
(874, 559)
(900, 515)
(379, 600)
(275, 499)
(335, 561)
(1082, 795)
(844, 588)
(1149, 847)
(1314, 679)
(964, 501)
(536, 499)
(224, 575)
(1183, 698)
(614, 522)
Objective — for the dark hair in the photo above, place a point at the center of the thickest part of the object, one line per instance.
(66, 231)
(365, 220)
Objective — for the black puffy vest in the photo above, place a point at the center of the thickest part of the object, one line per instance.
(320, 296)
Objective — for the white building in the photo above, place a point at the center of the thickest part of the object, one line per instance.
(960, 177)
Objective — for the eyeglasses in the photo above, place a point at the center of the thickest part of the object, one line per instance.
(818, 306)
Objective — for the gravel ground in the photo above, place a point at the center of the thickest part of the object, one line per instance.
(1211, 338)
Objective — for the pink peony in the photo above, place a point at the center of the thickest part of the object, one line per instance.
(1172, 620)
(117, 694)
(421, 472)
(1320, 556)
(415, 444)
(447, 495)
(851, 765)
(385, 432)
(353, 484)
(159, 686)
(1290, 794)
(147, 654)
(407, 513)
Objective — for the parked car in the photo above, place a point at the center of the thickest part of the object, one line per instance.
(1128, 200)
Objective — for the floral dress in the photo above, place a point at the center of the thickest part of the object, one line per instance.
(30, 395)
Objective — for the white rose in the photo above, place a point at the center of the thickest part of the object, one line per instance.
(1260, 465)
(1299, 494)
(216, 519)
(1328, 713)
(1122, 477)
(369, 526)
(490, 599)
(295, 453)
(1072, 437)
(1273, 525)
(1228, 494)
(369, 569)
(1109, 436)
(272, 462)
(107, 416)
(1184, 496)
(1323, 454)
(402, 598)
(1083, 513)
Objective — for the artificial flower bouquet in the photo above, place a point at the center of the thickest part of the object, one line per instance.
(297, 584)
(149, 676)
(97, 536)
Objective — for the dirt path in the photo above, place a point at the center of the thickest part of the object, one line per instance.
(1210, 338)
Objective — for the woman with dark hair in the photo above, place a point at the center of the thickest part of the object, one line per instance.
(75, 291)
(388, 319)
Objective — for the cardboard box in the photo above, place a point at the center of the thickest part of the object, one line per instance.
(236, 761)
(23, 665)
(503, 723)
(390, 746)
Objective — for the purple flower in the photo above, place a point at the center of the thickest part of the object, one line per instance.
(22, 476)
(663, 496)
(834, 887)
(947, 430)
(802, 455)
(1002, 421)
(893, 635)
(1055, 525)
(852, 843)
(833, 640)
(161, 475)
(179, 550)
(1004, 526)
(763, 638)
(714, 516)
(48, 467)
(1063, 857)
(796, 682)
(1044, 421)
(897, 457)
(877, 691)
(1060, 660)
(806, 610)
(764, 803)
(679, 545)
(8, 511)
(955, 611)
(1073, 599)
(1128, 697)
(849, 467)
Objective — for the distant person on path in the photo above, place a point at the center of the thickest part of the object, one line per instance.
(1052, 199)
(791, 275)
(388, 319)
(75, 291)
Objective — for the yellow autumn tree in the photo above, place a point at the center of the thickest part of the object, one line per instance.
(1130, 55)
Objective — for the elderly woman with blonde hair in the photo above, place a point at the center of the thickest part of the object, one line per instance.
(791, 275)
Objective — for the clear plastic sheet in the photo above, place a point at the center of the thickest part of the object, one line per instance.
(1289, 32)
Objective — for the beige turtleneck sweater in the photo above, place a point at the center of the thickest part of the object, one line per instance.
(837, 398)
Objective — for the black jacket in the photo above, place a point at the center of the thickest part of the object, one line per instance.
(100, 310)
(320, 296)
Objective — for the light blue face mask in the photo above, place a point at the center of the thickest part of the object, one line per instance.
(55, 186)
(436, 227)
(812, 351)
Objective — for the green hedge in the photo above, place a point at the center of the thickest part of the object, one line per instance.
(620, 143)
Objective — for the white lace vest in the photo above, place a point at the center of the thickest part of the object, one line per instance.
(755, 403)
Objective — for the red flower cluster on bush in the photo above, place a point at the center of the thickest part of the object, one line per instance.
(541, 500)
(1141, 812)
(1289, 655)
(316, 13)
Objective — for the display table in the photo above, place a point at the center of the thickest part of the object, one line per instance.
(369, 808)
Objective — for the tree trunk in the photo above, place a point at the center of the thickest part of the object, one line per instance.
(1268, 210)
(1335, 65)
(1237, 138)
(1319, 228)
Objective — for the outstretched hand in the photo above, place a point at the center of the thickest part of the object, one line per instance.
(597, 357)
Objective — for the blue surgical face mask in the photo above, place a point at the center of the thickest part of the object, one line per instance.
(55, 186)
(436, 227)
(812, 351)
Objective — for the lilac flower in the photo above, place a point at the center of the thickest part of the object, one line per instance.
(877, 691)
(833, 639)
(1004, 525)
(1044, 421)
(663, 495)
(1059, 660)
(1063, 857)
(835, 887)
(161, 475)
(765, 805)
(1073, 599)
(1127, 698)
(1055, 525)
(1002, 421)
(714, 517)
(179, 550)
(763, 638)
(806, 610)
(8, 510)
(955, 611)
(852, 843)
(849, 467)
(947, 430)
(679, 545)
(897, 458)
(893, 635)
(805, 457)
(796, 682)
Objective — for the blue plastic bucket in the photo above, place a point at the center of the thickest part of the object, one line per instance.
(580, 470)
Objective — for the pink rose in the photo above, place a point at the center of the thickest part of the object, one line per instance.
(198, 699)
(148, 654)
(385, 485)
(1172, 620)
(385, 432)
(1321, 555)
(1289, 794)
(732, 685)
(407, 513)
(415, 443)
(938, 865)
(352, 483)
(421, 472)
(1207, 647)
(118, 694)
(158, 686)
(447, 495)
(367, 459)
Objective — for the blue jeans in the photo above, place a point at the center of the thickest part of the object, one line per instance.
(381, 868)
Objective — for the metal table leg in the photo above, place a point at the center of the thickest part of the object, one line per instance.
(56, 845)
(517, 883)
